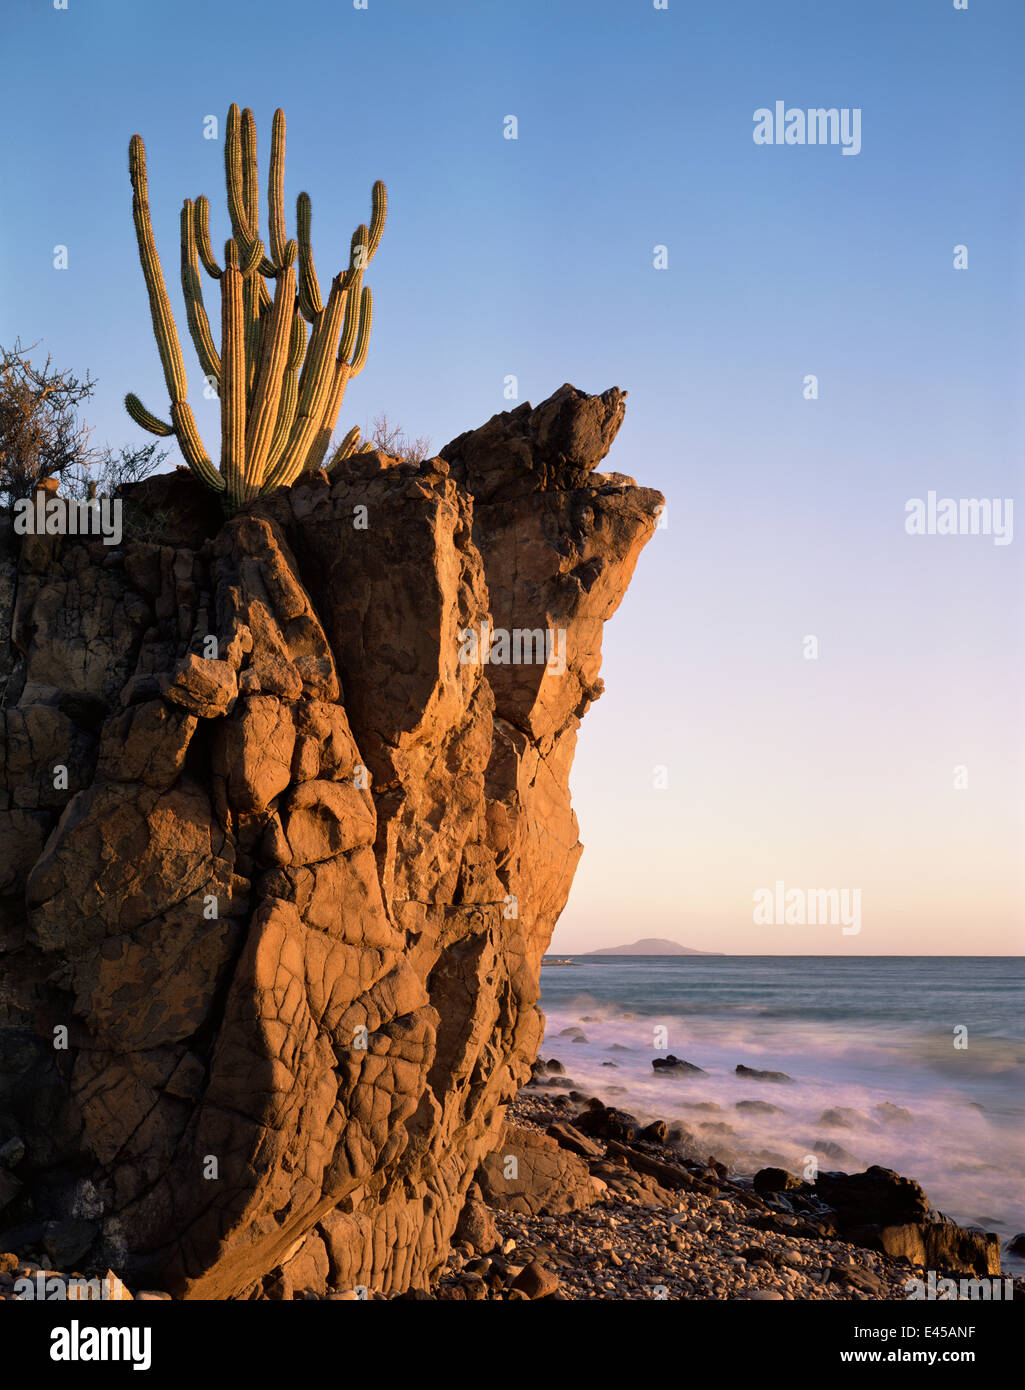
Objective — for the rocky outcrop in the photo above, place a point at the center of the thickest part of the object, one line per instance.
(532, 1174)
(280, 854)
(882, 1210)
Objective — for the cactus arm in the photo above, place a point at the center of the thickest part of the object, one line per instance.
(251, 330)
(379, 199)
(233, 378)
(289, 395)
(253, 258)
(366, 318)
(309, 288)
(355, 333)
(160, 306)
(314, 378)
(201, 222)
(192, 288)
(274, 356)
(345, 449)
(252, 309)
(314, 386)
(276, 190)
(142, 417)
(250, 173)
(242, 233)
(192, 446)
(282, 427)
(163, 324)
(329, 418)
(344, 371)
(359, 257)
(352, 306)
(297, 347)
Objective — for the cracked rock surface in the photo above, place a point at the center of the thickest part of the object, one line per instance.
(277, 867)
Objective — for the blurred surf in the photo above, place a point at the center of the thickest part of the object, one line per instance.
(869, 1044)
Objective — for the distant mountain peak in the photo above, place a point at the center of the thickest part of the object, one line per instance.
(650, 946)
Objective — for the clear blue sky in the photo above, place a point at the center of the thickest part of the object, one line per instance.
(534, 257)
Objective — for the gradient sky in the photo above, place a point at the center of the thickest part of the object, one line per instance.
(534, 257)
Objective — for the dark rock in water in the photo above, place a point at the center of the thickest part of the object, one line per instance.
(618, 1047)
(836, 1153)
(610, 1064)
(882, 1210)
(893, 1114)
(878, 1194)
(842, 1118)
(775, 1180)
(707, 1107)
(754, 1075)
(1016, 1245)
(680, 1136)
(581, 1038)
(655, 1133)
(555, 1067)
(605, 1122)
(267, 902)
(758, 1107)
(940, 1245)
(675, 1066)
(616, 1090)
(573, 1032)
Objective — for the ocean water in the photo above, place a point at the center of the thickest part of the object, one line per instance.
(856, 1035)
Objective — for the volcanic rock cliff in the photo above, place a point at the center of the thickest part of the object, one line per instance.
(277, 866)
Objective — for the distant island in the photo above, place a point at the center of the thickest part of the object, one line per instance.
(651, 946)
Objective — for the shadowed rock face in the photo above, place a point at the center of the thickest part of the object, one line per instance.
(280, 865)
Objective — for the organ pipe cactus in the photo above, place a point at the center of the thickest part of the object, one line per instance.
(280, 390)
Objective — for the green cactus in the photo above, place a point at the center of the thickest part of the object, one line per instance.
(280, 394)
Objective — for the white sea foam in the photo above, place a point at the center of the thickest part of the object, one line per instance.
(965, 1142)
